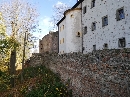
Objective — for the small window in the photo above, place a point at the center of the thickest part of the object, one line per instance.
(105, 21)
(63, 52)
(41, 45)
(105, 46)
(121, 42)
(85, 30)
(84, 9)
(94, 47)
(78, 34)
(93, 3)
(83, 48)
(72, 16)
(120, 14)
(93, 26)
(63, 40)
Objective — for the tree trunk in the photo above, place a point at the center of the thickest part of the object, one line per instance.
(12, 67)
(23, 58)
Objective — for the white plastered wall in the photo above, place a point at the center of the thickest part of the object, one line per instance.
(110, 33)
(72, 25)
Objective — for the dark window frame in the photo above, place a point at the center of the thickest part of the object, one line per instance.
(78, 34)
(105, 46)
(94, 47)
(104, 21)
(85, 30)
(120, 14)
(93, 3)
(122, 42)
(93, 26)
(84, 9)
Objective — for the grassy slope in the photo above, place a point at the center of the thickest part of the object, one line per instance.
(38, 82)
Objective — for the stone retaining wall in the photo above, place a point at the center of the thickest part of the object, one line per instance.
(103, 73)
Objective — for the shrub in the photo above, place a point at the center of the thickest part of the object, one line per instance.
(51, 85)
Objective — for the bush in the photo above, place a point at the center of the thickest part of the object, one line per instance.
(51, 85)
(4, 81)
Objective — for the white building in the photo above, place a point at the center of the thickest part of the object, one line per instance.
(105, 25)
(70, 36)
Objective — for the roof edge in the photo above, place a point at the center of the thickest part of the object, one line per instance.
(80, 1)
(61, 20)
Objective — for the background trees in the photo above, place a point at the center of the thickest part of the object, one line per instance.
(20, 20)
(58, 10)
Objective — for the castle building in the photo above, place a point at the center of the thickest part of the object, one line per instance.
(95, 25)
(49, 43)
(69, 27)
(105, 24)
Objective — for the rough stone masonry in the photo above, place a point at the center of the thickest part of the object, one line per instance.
(104, 73)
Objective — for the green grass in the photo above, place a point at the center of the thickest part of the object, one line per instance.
(50, 85)
(46, 84)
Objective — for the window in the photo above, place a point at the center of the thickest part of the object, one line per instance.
(41, 45)
(121, 42)
(93, 26)
(85, 30)
(83, 48)
(93, 3)
(94, 47)
(104, 21)
(72, 16)
(63, 40)
(105, 46)
(120, 14)
(84, 9)
(78, 34)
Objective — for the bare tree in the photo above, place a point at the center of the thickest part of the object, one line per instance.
(59, 8)
(20, 20)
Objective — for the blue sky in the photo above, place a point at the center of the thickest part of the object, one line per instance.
(45, 9)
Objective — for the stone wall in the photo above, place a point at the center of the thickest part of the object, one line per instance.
(49, 43)
(103, 73)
